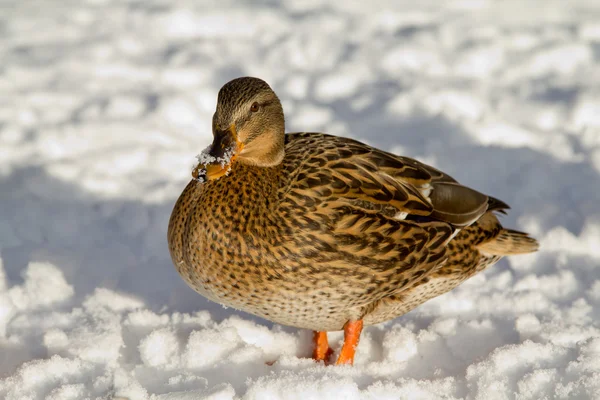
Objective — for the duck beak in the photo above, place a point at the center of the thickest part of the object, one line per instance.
(215, 161)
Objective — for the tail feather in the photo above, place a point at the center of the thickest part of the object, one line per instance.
(509, 242)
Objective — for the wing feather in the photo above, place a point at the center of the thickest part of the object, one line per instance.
(354, 171)
(356, 192)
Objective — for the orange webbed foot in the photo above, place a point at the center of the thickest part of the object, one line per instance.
(352, 330)
(322, 351)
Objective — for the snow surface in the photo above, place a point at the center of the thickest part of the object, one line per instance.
(103, 105)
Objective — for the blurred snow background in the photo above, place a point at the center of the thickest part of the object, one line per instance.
(103, 105)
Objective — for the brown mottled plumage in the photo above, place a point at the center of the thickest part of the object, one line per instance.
(324, 232)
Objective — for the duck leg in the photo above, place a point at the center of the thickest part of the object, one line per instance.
(322, 351)
(352, 330)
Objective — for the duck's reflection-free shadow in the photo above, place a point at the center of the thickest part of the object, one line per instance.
(96, 242)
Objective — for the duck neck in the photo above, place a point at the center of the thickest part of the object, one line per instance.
(266, 150)
(247, 196)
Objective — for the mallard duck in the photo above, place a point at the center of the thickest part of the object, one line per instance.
(324, 232)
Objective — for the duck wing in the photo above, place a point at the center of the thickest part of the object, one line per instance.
(333, 166)
(380, 221)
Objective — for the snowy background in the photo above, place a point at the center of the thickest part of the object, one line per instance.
(104, 104)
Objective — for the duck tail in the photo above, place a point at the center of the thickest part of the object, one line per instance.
(510, 242)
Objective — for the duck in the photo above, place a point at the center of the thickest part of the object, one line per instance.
(323, 232)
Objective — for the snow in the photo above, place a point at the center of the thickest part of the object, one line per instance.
(205, 158)
(104, 104)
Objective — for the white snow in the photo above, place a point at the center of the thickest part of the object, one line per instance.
(104, 104)
(205, 158)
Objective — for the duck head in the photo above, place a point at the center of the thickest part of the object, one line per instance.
(248, 127)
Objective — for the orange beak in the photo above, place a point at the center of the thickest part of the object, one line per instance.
(216, 160)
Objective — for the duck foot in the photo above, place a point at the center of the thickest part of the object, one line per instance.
(322, 351)
(352, 330)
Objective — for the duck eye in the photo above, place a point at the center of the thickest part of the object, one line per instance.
(254, 107)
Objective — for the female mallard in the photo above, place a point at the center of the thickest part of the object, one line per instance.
(323, 232)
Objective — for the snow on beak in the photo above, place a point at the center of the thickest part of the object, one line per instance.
(216, 160)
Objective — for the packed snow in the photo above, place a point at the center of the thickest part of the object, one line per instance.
(105, 103)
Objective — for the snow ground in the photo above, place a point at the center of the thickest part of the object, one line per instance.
(104, 104)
